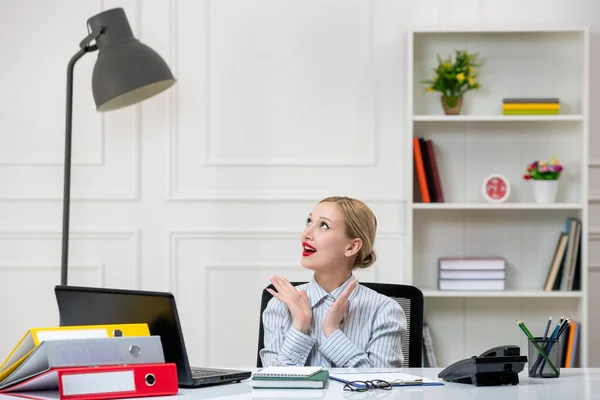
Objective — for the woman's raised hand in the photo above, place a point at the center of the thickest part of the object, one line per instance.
(335, 315)
(296, 300)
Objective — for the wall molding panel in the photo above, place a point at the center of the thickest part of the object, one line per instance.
(211, 164)
(92, 177)
(130, 237)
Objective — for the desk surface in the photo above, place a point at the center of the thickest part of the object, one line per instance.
(574, 383)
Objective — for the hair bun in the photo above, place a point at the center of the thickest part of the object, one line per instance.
(367, 260)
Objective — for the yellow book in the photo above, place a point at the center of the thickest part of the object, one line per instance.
(35, 336)
(531, 106)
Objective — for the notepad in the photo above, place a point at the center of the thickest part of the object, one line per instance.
(315, 381)
(287, 372)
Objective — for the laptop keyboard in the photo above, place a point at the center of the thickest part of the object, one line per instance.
(202, 373)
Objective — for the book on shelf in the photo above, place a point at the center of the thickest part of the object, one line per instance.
(471, 263)
(429, 357)
(471, 273)
(472, 284)
(428, 188)
(530, 106)
(565, 267)
(570, 345)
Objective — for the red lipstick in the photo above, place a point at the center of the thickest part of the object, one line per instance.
(307, 249)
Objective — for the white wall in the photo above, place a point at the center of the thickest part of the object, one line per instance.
(203, 190)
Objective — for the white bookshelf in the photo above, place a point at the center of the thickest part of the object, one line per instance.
(497, 206)
(504, 293)
(495, 118)
(531, 62)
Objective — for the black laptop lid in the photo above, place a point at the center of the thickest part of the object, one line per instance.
(95, 306)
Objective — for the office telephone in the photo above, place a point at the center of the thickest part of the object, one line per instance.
(497, 366)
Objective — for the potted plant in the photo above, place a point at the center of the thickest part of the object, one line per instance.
(453, 79)
(544, 175)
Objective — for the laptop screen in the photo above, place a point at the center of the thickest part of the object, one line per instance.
(96, 306)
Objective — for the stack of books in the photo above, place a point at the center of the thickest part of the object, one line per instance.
(472, 273)
(88, 362)
(530, 106)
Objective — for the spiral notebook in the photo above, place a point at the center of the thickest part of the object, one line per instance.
(287, 372)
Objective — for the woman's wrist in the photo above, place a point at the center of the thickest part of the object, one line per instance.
(302, 327)
(328, 330)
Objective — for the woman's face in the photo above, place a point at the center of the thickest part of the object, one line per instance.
(324, 243)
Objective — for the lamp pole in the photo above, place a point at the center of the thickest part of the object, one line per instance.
(85, 47)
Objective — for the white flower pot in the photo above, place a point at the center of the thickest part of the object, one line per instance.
(544, 191)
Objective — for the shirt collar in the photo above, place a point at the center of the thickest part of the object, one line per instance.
(316, 293)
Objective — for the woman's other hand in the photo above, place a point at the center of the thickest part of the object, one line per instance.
(296, 300)
(336, 312)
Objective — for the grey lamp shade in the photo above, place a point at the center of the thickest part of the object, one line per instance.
(126, 71)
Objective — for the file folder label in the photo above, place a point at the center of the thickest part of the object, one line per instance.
(116, 382)
(72, 334)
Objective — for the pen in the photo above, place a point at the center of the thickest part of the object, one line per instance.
(400, 382)
(530, 336)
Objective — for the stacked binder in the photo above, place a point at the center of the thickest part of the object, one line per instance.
(88, 362)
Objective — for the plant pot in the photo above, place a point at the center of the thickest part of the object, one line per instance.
(544, 191)
(452, 104)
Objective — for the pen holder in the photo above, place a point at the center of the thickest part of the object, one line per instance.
(539, 367)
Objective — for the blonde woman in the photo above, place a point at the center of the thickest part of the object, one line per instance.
(333, 321)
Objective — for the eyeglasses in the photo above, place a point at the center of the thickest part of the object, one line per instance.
(363, 386)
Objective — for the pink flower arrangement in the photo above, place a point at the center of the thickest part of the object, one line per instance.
(544, 170)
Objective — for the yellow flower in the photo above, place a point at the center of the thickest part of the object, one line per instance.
(436, 78)
(555, 161)
(430, 89)
(447, 65)
(460, 77)
(470, 70)
(471, 81)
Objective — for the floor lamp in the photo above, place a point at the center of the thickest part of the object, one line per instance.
(126, 72)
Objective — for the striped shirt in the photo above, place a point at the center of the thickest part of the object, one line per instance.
(371, 334)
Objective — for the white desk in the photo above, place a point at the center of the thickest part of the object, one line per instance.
(574, 383)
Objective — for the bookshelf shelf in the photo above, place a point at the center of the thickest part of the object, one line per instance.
(500, 206)
(506, 293)
(497, 118)
(469, 147)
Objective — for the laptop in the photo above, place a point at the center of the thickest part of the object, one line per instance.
(79, 305)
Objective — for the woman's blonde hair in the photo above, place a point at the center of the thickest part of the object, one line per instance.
(360, 223)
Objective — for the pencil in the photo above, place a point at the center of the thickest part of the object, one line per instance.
(557, 328)
(547, 327)
(563, 327)
(521, 325)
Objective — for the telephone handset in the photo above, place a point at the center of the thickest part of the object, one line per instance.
(497, 366)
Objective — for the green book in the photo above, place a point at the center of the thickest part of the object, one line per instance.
(315, 381)
(530, 112)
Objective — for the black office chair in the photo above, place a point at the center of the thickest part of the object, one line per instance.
(410, 299)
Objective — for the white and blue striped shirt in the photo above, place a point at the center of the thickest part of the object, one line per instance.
(371, 334)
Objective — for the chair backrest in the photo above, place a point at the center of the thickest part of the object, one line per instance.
(410, 299)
